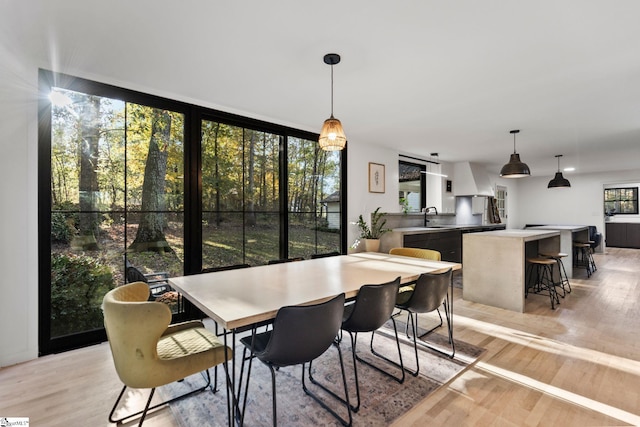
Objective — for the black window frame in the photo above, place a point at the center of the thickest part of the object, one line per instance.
(193, 116)
(423, 178)
(619, 199)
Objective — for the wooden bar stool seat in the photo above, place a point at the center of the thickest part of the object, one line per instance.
(540, 278)
(564, 278)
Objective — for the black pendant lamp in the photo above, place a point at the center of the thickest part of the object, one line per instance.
(332, 136)
(515, 168)
(559, 180)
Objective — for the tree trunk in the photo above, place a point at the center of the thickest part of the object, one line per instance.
(250, 193)
(150, 235)
(88, 182)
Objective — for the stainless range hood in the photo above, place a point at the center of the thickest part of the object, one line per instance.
(471, 179)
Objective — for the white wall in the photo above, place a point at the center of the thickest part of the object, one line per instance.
(18, 222)
(359, 200)
(581, 204)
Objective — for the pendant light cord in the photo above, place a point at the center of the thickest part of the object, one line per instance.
(331, 90)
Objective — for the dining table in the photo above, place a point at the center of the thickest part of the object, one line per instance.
(240, 299)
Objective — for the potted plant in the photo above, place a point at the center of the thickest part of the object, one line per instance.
(371, 234)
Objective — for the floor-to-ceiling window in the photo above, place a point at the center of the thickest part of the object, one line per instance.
(314, 201)
(240, 195)
(132, 180)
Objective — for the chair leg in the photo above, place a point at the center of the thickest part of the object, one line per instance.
(383, 357)
(448, 312)
(355, 358)
(273, 393)
(414, 328)
(344, 400)
(354, 340)
(246, 389)
(148, 408)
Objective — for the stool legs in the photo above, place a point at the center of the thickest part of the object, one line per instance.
(542, 275)
(562, 272)
(592, 262)
(583, 258)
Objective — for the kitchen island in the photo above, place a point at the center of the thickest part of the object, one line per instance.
(494, 264)
(446, 239)
(568, 234)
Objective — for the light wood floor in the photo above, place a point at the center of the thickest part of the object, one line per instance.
(578, 365)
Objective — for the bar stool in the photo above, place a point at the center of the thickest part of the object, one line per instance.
(590, 251)
(582, 256)
(541, 271)
(564, 278)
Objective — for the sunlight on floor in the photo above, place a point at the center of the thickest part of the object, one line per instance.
(551, 346)
(559, 393)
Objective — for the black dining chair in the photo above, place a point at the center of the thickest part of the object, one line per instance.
(283, 260)
(325, 255)
(299, 335)
(225, 268)
(372, 308)
(430, 292)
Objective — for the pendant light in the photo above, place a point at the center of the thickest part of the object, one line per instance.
(332, 136)
(515, 168)
(559, 180)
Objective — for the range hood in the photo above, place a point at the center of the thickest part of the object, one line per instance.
(471, 179)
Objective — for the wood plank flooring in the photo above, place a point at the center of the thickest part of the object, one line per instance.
(574, 366)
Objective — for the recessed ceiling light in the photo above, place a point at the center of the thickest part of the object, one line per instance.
(569, 169)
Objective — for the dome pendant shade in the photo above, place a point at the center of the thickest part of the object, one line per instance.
(332, 136)
(559, 181)
(515, 168)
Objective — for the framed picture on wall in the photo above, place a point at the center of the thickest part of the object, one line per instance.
(376, 178)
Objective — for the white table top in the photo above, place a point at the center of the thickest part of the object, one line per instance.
(242, 297)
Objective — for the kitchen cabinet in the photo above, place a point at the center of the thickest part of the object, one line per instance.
(623, 234)
(448, 243)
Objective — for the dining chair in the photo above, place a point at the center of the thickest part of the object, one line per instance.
(148, 352)
(417, 253)
(225, 268)
(283, 260)
(325, 255)
(158, 281)
(431, 291)
(371, 309)
(299, 335)
(429, 254)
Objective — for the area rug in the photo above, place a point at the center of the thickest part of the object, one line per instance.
(382, 399)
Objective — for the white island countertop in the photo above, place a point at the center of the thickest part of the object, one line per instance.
(560, 227)
(525, 235)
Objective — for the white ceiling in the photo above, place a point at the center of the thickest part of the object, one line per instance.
(452, 77)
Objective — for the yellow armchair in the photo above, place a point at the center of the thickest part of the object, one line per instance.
(149, 352)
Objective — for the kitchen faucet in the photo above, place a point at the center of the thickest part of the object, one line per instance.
(426, 210)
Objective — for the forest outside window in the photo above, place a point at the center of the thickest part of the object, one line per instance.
(621, 200)
(133, 180)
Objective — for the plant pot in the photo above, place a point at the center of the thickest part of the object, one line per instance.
(372, 245)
